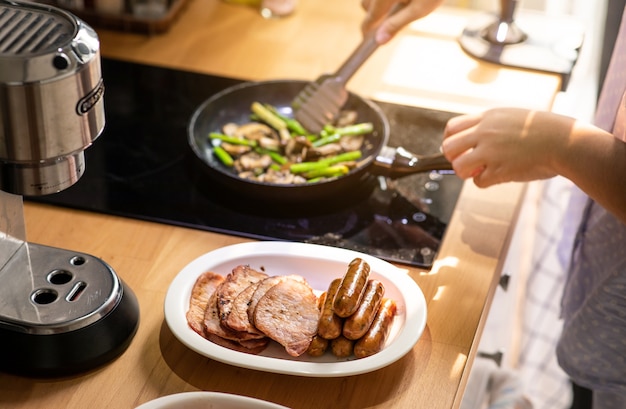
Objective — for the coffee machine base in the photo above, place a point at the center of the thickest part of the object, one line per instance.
(70, 313)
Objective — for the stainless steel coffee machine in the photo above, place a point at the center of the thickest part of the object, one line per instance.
(61, 311)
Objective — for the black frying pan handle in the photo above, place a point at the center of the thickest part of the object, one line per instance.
(398, 162)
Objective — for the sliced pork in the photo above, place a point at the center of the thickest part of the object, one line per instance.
(236, 281)
(202, 290)
(213, 324)
(288, 314)
(238, 317)
(262, 288)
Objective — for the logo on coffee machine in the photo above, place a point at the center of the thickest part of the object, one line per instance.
(88, 101)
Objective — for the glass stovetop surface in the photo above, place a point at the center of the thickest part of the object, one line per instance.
(142, 167)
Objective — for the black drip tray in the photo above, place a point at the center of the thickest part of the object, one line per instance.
(142, 167)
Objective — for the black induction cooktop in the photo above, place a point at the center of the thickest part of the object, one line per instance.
(142, 167)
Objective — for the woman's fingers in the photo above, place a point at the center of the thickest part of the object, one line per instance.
(504, 145)
(469, 164)
(459, 136)
(388, 26)
(376, 12)
(458, 123)
(460, 146)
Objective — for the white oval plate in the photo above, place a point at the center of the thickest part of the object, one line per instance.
(207, 400)
(319, 265)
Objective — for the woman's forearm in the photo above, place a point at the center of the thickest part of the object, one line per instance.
(595, 161)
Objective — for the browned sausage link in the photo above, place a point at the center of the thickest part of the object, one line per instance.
(320, 300)
(356, 325)
(351, 289)
(330, 324)
(318, 346)
(341, 346)
(374, 340)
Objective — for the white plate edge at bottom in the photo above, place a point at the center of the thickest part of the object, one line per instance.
(209, 397)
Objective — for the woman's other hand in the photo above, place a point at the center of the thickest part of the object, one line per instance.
(389, 26)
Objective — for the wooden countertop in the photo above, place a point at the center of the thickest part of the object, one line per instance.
(423, 67)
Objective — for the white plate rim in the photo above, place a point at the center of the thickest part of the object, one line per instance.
(209, 397)
(177, 301)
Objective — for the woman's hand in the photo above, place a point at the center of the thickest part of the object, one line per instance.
(518, 145)
(388, 26)
(505, 145)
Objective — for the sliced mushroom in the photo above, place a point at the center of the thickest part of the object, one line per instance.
(352, 142)
(283, 177)
(251, 161)
(256, 131)
(230, 129)
(296, 148)
(234, 149)
(346, 117)
(269, 143)
(329, 149)
(248, 174)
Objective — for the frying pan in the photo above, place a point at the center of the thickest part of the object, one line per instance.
(233, 105)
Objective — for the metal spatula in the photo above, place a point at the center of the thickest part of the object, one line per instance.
(319, 103)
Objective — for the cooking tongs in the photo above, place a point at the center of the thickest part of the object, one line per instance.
(319, 103)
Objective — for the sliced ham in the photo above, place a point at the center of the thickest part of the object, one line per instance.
(238, 317)
(213, 324)
(260, 290)
(284, 308)
(236, 281)
(254, 346)
(288, 314)
(202, 290)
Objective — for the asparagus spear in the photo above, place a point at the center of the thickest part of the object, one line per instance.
(276, 157)
(329, 171)
(272, 120)
(356, 129)
(232, 139)
(325, 140)
(331, 134)
(292, 124)
(326, 162)
(268, 116)
(223, 156)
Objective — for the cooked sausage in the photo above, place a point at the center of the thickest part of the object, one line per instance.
(351, 288)
(341, 346)
(375, 337)
(330, 324)
(356, 325)
(320, 300)
(318, 346)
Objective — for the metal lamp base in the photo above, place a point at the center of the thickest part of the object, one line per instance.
(544, 43)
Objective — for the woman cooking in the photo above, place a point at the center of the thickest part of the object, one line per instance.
(517, 145)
